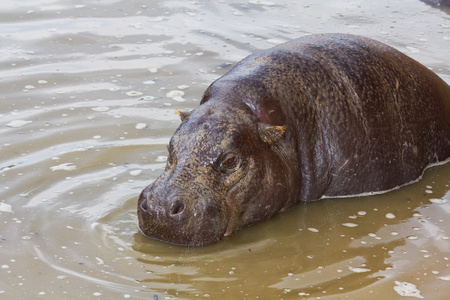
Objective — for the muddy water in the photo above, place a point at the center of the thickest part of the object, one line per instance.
(88, 94)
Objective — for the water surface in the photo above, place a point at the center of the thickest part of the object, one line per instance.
(87, 105)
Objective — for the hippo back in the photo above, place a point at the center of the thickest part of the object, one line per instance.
(364, 116)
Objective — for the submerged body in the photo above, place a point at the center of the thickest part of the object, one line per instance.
(323, 115)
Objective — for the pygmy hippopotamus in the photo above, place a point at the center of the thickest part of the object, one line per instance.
(321, 116)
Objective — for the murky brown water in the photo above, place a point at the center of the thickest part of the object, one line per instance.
(86, 109)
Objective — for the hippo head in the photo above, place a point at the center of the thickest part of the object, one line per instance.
(223, 172)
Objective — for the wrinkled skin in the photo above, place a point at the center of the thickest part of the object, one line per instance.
(324, 115)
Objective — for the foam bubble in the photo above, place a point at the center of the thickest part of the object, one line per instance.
(5, 207)
(18, 123)
(407, 289)
(359, 270)
(390, 216)
(100, 108)
(438, 200)
(141, 125)
(135, 172)
(64, 167)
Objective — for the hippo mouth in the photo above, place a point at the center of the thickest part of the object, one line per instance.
(178, 225)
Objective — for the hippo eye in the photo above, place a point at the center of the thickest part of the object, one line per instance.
(229, 163)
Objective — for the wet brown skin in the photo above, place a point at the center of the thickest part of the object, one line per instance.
(323, 115)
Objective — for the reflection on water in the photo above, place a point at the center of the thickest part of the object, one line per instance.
(87, 106)
(325, 248)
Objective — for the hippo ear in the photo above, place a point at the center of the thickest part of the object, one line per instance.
(269, 133)
(183, 114)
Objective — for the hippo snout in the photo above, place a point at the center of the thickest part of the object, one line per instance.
(177, 219)
(172, 207)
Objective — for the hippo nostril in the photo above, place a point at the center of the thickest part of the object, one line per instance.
(177, 208)
(144, 205)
